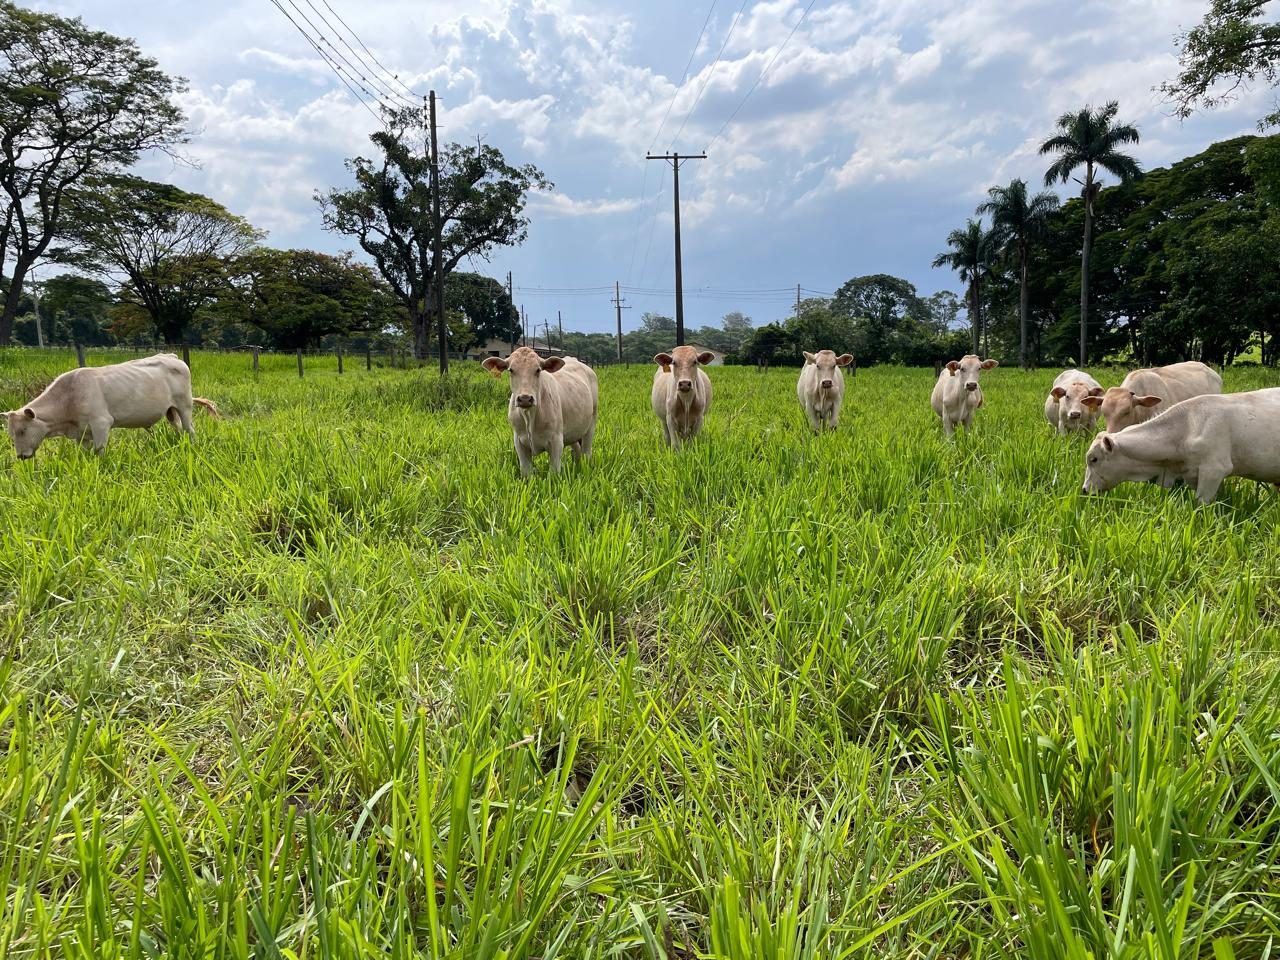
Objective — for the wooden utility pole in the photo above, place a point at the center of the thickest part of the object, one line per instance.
(560, 324)
(675, 160)
(797, 301)
(437, 255)
(524, 326)
(618, 308)
(511, 296)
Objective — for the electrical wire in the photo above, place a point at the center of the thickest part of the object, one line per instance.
(701, 90)
(685, 76)
(394, 76)
(332, 66)
(383, 88)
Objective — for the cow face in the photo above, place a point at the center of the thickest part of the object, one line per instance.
(968, 368)
(26, 430)
(526, 369)
(828, 365)
(683, 363)
(1107, 465)
(1120, 407)
(1074, 412)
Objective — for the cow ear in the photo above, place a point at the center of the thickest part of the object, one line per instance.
(1096, 392)
(1108, 444)
(552, 364)
(844, 359)
(988, 364)
(494, 365)
(1057, 393)
(809, 357)
(1146, 401)
(1092, 402)
(29, 413)
(706, 357)
(953, 366)
(664, 361)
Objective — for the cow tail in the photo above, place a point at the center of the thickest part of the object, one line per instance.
(208, 405)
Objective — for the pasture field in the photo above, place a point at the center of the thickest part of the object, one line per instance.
(334, 681)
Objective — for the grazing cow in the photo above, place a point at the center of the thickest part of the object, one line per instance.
(1146, 393)
(85, 403)
(821, 388)
(553, 405)
(1065, 408)
(681, 393)
(1199, 442)
(957, 394)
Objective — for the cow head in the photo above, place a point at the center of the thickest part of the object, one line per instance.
(1107, 464)
(26, 430)
(683, 363)
(828, 365)
(968, 367)
(526, 368)
(1073, 403)
(1121, 407)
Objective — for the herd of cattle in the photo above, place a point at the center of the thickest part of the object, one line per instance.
(1168, 424)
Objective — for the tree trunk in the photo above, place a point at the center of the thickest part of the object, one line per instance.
(1022, 309)
(12, 296)
(975, 318)
(1084, 267)
(421, 334)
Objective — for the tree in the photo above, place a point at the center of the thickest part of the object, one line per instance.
(486, 307)
(171, 251)
(969, 254)
(819, 325)
(73, 309)
(1089, 138)
(1017, 221)
(1230, 44)
(298, 297)
(878, 305)
(765, 343)
(389, 212)
(74, 103)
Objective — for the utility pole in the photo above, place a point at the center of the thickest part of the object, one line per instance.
(560, 324)
(437, 255)
(675, 159)
(797, 301)
(524, 326)
(618, 308)
(35, 303)
(512, 297)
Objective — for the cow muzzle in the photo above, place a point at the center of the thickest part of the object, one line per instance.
(26, 456)
(826, 384)
(971, 385)
(524, 401)
(1073, 415)
(684, 386)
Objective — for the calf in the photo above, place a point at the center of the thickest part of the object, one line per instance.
(1146, 393)
(1065, 407)
(86, 403)
(957, 394)
(681, 393)
(821, 388)
(553, 405)
(1199, 441)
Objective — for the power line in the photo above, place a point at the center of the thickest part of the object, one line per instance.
(763, 72)
(394, 76)
(353, 72)
(332, 66)
(701, 90)
(382, 86)
(685, 76)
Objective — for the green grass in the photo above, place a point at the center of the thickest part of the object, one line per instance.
(334, 682)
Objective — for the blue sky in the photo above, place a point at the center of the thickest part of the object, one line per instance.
(877, 129)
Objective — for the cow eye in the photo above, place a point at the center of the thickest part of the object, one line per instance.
(1093, 459)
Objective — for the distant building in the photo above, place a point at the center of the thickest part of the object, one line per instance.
(719, 356)
(493, 347)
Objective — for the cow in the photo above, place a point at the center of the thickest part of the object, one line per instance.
(1149, 392)
(1199, 442)
(554, 403)
(681, 393)
(957, 394)
(821, 388)
(86, 403)
(1065, 408)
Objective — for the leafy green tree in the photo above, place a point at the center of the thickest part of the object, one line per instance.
(74, 103)
(389, 211)
(1017, 221)
(878, 306)
(1232, 44)
(172, 252)
(969, 253)
(485, 306)
(1090, 139)
(73, 309)
(767, 343)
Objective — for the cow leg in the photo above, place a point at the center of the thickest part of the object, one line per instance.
(815, 421)
(1210, 480)
(184, 422)
(556, 449)
(583, 446)
(948, 428)
(99, 430)
(525, 456)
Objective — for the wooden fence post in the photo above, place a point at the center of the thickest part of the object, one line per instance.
(186, 354)
(80, 354)
(339, 359)
(368, 358)
(937, 368)
(853, 366)
(255, 360)
(299, 364)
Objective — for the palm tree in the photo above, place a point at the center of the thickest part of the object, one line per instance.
(1016, 222)
(969, 252)
(1089, 138)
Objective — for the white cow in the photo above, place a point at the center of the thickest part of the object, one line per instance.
(821, 388)
(85, 403)
(553, 405)
(957, 394)
(1065, 408)
(1146, 393)
(1199, 442)
(681, 393)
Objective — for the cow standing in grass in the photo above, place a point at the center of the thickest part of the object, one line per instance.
(957, 395)
(681, 393)
(553, 405)
(86, 403)
(1147, 393)
(821, 388)
(1065, 407)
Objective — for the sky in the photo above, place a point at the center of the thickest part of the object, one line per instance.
(843, 137)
